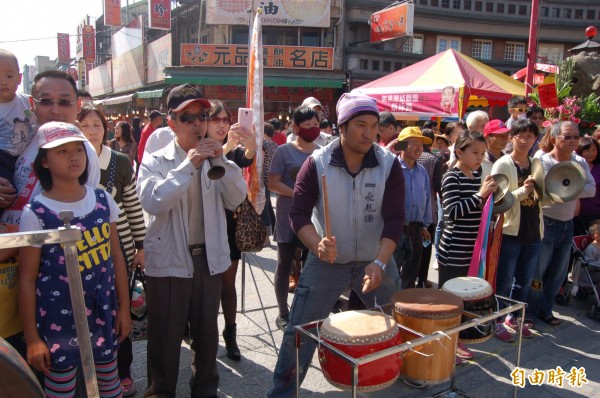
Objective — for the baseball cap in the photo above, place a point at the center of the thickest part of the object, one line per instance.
(311, 102)
(181, 96)
(351, 105)
(413, 132)
(495, 126)
(53, 134)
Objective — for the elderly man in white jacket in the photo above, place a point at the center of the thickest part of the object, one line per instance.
(186, 245)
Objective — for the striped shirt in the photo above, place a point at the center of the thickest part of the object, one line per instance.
(462, 215)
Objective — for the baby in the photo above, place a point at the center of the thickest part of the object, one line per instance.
(16, 121)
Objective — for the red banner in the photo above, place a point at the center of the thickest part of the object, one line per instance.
(283, 57)
(64, 47)
(159, 14)
(89, 44)
(547, 94)
(73, 73)
(112, 12)
(392, 22)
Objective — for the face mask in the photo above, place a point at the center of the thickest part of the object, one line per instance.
(309, 135)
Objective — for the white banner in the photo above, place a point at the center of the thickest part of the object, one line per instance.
(315, 13)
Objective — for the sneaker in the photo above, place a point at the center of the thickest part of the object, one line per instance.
(128, 387)
(281, 322)
(293, 283)
(463, 352)
(502, 334)
(458, 361)
(512, 324)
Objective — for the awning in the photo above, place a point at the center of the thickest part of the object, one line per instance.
(150, 94)
(217, 76)
(540, 67)
(268, 81)
(123, 99)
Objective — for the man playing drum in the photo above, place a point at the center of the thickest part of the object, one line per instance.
(367, 215)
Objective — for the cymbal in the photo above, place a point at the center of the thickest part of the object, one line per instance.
(537, 171)
(502, 187)
(505, 204)
(565, 181)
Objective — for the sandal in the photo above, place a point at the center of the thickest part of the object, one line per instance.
(529, 323)
(551, 320)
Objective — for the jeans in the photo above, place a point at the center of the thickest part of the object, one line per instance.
(439, 227)
(553, 263)
(516, 266)
(319, 287)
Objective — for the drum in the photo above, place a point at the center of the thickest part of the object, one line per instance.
(478, 298)
(16, 378)
(427, 311)
(359, 333)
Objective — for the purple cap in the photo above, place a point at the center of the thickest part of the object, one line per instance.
(354, 104)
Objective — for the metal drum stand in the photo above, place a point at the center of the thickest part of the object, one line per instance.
(306, 328)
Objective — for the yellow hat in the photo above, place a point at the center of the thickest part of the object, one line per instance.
(413, 132)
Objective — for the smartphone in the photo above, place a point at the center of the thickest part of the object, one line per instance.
(246, 118)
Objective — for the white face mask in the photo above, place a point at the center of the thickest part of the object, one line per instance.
(523, 116)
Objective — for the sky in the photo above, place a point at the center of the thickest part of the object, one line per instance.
(31, 28)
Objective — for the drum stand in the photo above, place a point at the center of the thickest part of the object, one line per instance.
(68, 236)
(421, 339)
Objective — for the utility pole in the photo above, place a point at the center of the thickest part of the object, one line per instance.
(532, 48)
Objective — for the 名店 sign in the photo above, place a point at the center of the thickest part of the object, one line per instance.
(392, 22)
(286, 57)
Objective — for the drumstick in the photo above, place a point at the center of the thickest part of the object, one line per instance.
(326, 207)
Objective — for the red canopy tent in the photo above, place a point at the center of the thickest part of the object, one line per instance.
(441, 86)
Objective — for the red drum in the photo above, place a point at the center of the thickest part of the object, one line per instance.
(359, 333)
(427, 311)
(478, 298)
(16, 378)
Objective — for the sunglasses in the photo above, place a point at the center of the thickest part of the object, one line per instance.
(520, 110)
(49, 102)
(190, 118)
(568, 137)
(217, 120)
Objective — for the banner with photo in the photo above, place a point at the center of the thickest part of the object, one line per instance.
(159, 14)
(314, 13)
(64, 47)
(112, 12)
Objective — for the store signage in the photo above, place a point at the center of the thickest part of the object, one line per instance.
(284, 57)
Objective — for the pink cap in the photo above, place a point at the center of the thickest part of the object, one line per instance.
(495, 126)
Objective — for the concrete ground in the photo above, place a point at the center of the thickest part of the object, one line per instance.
(573, 344)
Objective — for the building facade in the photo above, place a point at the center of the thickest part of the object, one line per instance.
(495, 32)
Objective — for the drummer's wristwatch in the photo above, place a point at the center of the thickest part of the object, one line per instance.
(381, 264)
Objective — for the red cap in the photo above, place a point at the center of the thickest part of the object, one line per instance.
(495, 126)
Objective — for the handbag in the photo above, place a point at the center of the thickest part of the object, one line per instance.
(250, 233)
(137, 297)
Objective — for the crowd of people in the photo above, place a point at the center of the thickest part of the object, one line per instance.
(144, 199)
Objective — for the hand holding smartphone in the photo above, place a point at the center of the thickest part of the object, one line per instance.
(245, 118)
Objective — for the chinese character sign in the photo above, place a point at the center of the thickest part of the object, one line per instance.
(112, 12)
(159, 14)
(285, 57)
(392, 22)
(275, 12)
(439, 102)
(89, 44)
(64, 47)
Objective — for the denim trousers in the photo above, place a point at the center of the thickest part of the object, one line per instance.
(517, 263)
(552, 266)
(320, 285)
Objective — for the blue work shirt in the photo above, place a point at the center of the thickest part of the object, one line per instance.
(417, 194)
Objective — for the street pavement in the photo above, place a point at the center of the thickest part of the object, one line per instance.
(575, 344)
